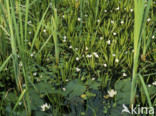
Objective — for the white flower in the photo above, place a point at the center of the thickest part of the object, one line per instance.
(29, 32)
(153, 37)
(133, 50)
(45, 107)
(20, 103)
(118, 8)
(105, 10)
(154, 83)
(98, 20)
(126, 52)
(76, 49)
(63, 16)
(20, 64)
(148, 20)
(113, 55)
(86, 15)
(108, 42)
(77, 59)
(131, 10)
(44, 30)
(112, 21)
(35, 73)
(122, 22)
(93, 79)
(101, 38)
(29, 22)
(95, 54)
(78, 70)
(112, 93)
(149, 85)
(86, 48)
(64, 89)
(114, 33)
(70, 47)
(89, 56)
(31, 54)
(67, 80)
(105, 65)
(64, 40)
(124, 74)
(116, 60)
(64, 37)
(79, 19)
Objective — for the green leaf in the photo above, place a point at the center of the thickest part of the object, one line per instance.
(45, 87)
(11, 97)
(36, 101)
(117, 111)
(75, 88)
(89, 94)
(151, 90)
(123, 88)
(93, 84)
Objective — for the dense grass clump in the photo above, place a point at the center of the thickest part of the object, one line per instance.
(76, 57)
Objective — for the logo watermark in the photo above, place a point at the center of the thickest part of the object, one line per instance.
(137, 109)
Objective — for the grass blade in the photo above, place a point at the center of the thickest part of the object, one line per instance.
(54, 33)
(38, 28)
(145, 90)
(19, 99)
(5, 62)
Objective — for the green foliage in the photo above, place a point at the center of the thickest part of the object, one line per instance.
(123, 88)
(44, 88)
(74, 88)
(69, 53)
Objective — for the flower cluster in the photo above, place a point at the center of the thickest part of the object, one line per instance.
(45, 107)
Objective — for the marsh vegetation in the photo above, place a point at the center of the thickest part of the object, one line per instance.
(76, 57)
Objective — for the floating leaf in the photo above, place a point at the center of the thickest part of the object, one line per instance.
(92, 84)
(123, 88)
(75, 88)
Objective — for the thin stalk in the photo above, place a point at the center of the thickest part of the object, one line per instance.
(139, 33)
(19, 99)
(26, 18)
(55, 34)
(13, 43)
(38, 28)
(5, 62)
(145, 90)
(146, 41)
(139, 10)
